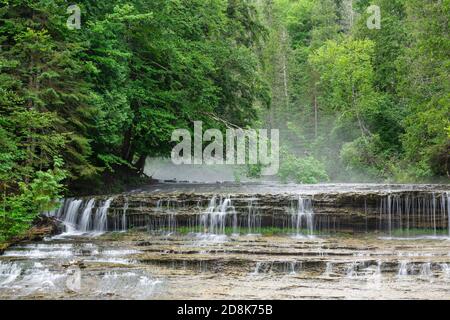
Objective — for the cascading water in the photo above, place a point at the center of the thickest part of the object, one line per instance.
(352, 270)
(9, 272)
(426, 214)
(253, 218)
(77, 215)
(292, 268)
(378, 270)
(85, 223)
(328, 269)
(124, 215)
(257, 268)
(71, 215)
(403, 269)
(425, 270)
(101, 217)
(214, 219)
(302, 216)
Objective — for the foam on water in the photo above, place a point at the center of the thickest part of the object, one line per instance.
(8, 272)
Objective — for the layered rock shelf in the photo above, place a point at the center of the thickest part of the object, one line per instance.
(348, 211)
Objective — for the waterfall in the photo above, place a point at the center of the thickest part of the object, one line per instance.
(167, 220)
(302, 216)
(292, 267)
(257, 268)
(445, 270)
(378, 270)
(396, 214)
(352, 270)
(85, 223)
(328, 269)
(71, 215)
(124, 215)
(214, 219)
(424, 213)
(101, 217)
(253, 218)
(77, 215)
(403, 269)
(425, 270)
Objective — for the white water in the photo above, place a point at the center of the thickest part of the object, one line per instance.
(257, 268)
(51, 269)
(124, 215)
(101, 217)
(214, 219)
(292, 267)
(71, 215)
(85, 224)
(401, 215)
(302, 216)
(403, 269)
(351, 270)
(8, 272)
(78, 216)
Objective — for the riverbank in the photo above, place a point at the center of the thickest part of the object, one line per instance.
(42, 227)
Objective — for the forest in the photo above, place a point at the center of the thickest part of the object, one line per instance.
(81, 108)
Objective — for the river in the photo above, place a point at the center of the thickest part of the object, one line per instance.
(252, 241)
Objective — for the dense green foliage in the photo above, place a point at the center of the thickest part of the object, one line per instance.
(107, 95)
(352, 103)
(370, 104)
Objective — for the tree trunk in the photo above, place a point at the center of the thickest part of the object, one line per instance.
(126, 146)
(140, 164)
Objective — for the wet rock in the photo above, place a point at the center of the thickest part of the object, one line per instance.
(343, 211)
(362, 209)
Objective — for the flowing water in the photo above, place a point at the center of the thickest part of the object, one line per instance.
(337, 242)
